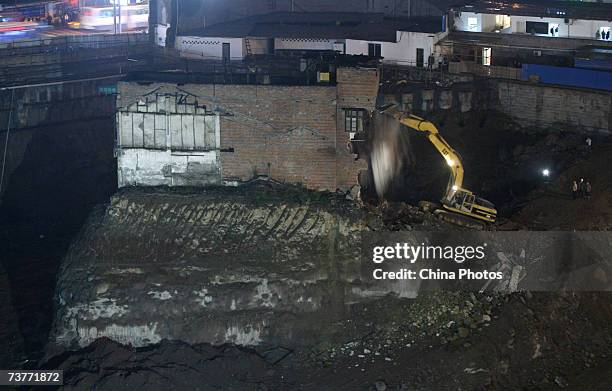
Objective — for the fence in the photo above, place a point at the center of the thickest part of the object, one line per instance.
(565, 76)
(71, 42)
(495, 72)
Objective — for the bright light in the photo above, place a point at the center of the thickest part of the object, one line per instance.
(546, 172)
(455, 188)
(450, 162)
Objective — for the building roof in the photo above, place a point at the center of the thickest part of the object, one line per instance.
(541, 8)
(321, 25)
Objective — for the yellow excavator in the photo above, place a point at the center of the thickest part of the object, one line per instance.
(459, 205)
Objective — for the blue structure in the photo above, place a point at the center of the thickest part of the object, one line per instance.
(573, 77)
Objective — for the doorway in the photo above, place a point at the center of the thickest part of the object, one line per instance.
(226, 52)
(420, 57)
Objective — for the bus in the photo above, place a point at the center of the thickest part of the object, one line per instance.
(133, 17)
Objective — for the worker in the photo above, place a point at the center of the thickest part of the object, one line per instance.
(582, 187)
(589, 142)
(574, 190)
(588, 190)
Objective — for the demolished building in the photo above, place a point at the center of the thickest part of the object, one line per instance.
(199, 134)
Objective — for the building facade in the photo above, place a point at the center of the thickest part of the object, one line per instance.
(202, 134)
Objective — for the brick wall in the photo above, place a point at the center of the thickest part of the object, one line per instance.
(295, 134)
(356, 88)
(285, 132)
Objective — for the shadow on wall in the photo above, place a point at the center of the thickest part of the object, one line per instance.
(65, 170)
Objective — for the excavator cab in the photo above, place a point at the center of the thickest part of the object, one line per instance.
(467, 203)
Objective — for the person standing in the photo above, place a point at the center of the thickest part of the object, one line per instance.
(574, 190)
(588, 189)
(582, 188)
(588, 142)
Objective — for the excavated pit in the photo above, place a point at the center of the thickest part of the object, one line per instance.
(262, 286)
(185, 275)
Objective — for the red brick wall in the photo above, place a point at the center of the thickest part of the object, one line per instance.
(287, 132)
(357, 88)
(296, 134)
(293, 133)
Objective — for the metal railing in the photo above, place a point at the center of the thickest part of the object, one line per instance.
(70, 43)
(489, 71)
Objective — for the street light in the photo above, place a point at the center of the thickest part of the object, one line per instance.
(546, 172)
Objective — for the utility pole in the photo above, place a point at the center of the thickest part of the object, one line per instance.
(119, 15)
(115, 16)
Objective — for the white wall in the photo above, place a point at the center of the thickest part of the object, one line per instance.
(307, 44)
(146, 167)
(160, 34)
(577, 28)
(167, 139)
(209, 47)
(484, 22)
(403, 51)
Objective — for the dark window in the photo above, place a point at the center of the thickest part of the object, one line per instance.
(226, 51)
(536, 27)
(374, 50)
(420, 57)
(353, 120)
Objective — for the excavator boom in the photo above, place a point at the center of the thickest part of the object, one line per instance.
(456, 199)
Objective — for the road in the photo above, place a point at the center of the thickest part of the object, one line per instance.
(13, 31)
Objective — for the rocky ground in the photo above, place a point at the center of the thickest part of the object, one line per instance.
(341, 337)
(520, 341)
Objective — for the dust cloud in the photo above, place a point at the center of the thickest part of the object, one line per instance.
(390, 151)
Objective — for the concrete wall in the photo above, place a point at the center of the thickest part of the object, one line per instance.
(144, 167)
(72, 117)
(401, 52)
(576, 28)
(210, 47)
(308, 44)
(293, 134)
(166, 138)
(528, 104)
(546, 106)
(484, 22)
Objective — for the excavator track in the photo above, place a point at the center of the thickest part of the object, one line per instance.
(461, 220)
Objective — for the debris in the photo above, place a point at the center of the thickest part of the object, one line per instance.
(380, 385)
(472, 371)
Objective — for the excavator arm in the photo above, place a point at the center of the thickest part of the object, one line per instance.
(456, 199)
(450, 156)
